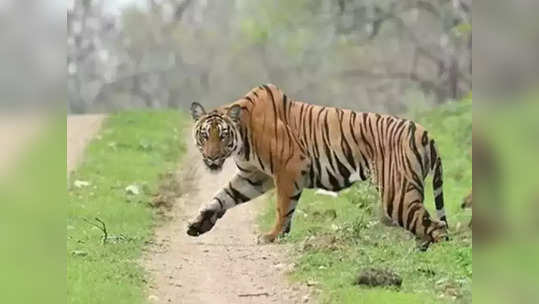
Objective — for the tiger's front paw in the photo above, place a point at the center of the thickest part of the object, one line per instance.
(203, 223)
(265, 238)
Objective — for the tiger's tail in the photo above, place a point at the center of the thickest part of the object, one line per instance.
(437, 182)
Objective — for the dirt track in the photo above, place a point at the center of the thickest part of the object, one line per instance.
(80, 129)
(224, 265)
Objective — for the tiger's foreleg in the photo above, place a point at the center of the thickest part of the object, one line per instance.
(242, 188)
(412, 215)
(288, 194)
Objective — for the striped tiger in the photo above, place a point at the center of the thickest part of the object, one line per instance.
(290, 145)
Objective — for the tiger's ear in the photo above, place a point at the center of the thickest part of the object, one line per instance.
(234, 112)
(197, 110)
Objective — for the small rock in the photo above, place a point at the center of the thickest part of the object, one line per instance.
(153, 298)
(378, 277)
(305, 299)
(326, 192)
(79, 253)
(81, 183)
(132, 189)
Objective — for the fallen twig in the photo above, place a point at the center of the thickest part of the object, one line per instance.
(254, 294)
(101, 227)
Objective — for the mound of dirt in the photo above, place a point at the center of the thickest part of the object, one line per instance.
(378, 277)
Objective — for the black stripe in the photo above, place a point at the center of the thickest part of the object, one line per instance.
(326, 127)
(433, 154)
(345, 173)
(284, 108)
(282, 144)
(296, 197)
(412, 209)
(400, 213)
(249, 99)
(274, 109)
(271, 160)
(315, 146)
(327, 142)
(231, 195)
(311, 125)
(332, 180)
(220, 202)
(246, 145)
(352, 122)
(362, 173)
(367, 143)
(437, 178)
(290, 212)
(305, 124)
(311, 175)
(389, 201)
(413, 224)
(424, 138)
(260, 162)
(412, 187)
(413, 146)
(302, 107)
(242, 169)
(238, 196)
(416, 178)
(439, 201)
(345, 146)
(257, 183)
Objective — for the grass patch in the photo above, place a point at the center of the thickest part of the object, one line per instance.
(335, 238)
(132, 149)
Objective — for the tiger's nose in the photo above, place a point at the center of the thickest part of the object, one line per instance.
(213, 158)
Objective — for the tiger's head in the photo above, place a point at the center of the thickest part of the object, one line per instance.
(216, 134)
(432, 231)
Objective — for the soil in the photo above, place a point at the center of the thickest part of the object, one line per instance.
(80, 130)
(225, 265)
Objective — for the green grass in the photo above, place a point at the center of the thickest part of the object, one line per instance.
(334, 238)
(133, 148)
(506, 265)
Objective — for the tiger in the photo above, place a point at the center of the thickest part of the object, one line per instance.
(277, 142)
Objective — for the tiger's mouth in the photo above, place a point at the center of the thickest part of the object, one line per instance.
(214, 167)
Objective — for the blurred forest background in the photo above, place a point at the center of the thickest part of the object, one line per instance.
(371, 55)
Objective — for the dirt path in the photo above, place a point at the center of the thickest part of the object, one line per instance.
(16, 132)
(224, 265)
(80, 129)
